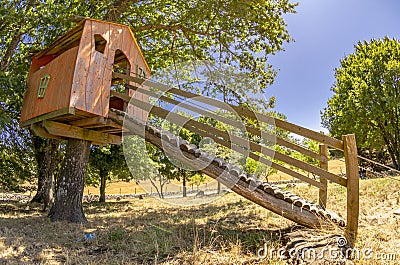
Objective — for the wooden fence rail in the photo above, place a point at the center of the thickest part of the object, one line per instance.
(299, 130)
(256, 150)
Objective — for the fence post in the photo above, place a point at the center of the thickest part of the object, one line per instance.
(323, 192)
(350, 155)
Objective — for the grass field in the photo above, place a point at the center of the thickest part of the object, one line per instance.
(230, 230)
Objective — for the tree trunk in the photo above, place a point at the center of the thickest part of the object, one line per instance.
(68, 202)
(47, 159)
(162, 183)
(50, 163)
(103, 179)
(12, 47)
(184, 186)
(39, 151)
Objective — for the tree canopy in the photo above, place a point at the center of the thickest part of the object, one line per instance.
(239, 33)
(366, 98)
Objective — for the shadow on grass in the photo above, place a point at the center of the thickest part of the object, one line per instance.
(129, 232)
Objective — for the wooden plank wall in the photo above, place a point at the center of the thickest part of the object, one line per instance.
(81, 76)
(57, 94)
(93, 72)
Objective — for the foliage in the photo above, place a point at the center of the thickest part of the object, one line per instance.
(210, 146)
(18, 166)
(231, 30)
(107, 161)
(366, 98)
(238, 33)
(311, 145)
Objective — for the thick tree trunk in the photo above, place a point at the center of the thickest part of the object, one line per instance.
(68, 202)
(103, 179)
(47, 158)
(50, 163)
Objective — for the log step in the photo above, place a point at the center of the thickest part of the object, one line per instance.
(268, 196)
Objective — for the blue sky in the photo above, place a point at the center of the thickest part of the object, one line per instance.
(325, 31)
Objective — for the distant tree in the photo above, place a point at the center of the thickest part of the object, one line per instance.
(106, 162)
(164, 169)
(366, 98)
(168, 167)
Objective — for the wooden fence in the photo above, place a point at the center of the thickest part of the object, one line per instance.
(255, 149)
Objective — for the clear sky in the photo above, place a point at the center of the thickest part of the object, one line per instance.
(325, 31)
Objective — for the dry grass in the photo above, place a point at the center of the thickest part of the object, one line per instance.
(335, 166)
(119, 187)
(229, 230)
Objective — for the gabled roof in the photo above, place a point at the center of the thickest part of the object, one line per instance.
(72, 38)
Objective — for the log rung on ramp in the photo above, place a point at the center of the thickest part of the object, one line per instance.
(291, 166)
(247, 185)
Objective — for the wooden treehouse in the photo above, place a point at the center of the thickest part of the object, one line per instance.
(89, 83)
(70, 83)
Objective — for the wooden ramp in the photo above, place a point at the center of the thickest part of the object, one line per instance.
(247, 185)
(254, 142)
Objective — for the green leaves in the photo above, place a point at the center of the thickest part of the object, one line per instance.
(367, 97)
(239, 33)
(108, 160)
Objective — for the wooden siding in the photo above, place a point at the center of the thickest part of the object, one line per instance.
(93, 72)
(56, 97)
(81, 76)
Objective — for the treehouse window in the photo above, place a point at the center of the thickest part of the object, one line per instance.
(121, 65)
(99, 43)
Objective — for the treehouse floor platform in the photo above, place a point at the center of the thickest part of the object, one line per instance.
(73, 123)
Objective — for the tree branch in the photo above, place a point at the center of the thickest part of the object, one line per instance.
(5, 61)
(117, 8)
(174, 28)
(191, 42)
